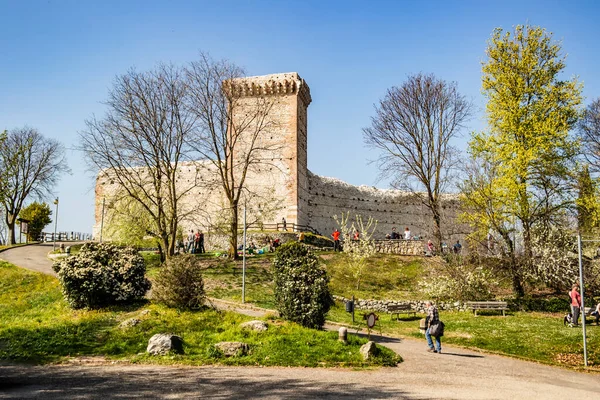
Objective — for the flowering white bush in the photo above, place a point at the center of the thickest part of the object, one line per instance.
(301, 286)
(102, 274)
(458, 282)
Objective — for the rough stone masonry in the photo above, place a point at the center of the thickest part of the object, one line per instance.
(285, 187)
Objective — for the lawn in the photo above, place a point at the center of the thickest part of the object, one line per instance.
(533, 336)
(36, 325)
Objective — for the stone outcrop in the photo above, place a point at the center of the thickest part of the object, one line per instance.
(256, 325)
(369, 350)
(163, 343)
(129, 323)
(232, 349)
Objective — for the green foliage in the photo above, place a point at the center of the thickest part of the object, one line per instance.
(38, 215)
(179, 283)
(555, 305)
(37, 325)
(527, 152)
(101, 275)
(588, 208)
(301, 286)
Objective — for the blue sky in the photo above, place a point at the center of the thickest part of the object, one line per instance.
(59, 58)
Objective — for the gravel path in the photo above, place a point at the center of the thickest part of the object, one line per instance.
(454, 374)
(33, 257)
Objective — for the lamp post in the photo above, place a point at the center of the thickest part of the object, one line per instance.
(55, 223)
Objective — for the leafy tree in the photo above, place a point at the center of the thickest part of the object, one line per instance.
(588, 209)
(413, 127)
(530, 111)
(31, 165)
(38, 215)
(301, 286)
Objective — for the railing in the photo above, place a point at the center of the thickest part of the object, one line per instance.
(290, 227)
(64, 236)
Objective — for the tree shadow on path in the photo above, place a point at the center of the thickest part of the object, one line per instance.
(57, 382)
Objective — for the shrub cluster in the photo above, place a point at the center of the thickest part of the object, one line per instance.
(301, 286)
(179, 283)
(102, 274)
(454, 281)
(543, 305)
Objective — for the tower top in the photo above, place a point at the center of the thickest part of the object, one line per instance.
(288, 83)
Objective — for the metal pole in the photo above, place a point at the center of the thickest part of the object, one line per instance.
(55, 223)
(244, 261)
(102, 220)
(585, 358)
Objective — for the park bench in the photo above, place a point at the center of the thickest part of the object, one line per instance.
(488, 305)
(400, 309)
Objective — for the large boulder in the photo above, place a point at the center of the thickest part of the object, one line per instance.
(163, 343)
(369, 350)
(256, 325)
(232, 349)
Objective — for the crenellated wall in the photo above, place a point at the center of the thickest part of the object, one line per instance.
(282, 186)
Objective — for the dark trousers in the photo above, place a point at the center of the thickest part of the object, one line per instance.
(201, 247)
(575, 314)
(336, 245)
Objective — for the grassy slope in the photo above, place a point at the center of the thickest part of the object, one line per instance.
(36, 325)
(536, 336)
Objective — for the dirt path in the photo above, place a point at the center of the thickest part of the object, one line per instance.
(454, 374)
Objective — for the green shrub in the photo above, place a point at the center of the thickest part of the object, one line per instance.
(179, 283)
(101, 275)
(557, 304)
(301, 286)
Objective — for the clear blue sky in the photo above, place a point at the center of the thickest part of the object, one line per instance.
(58, 60)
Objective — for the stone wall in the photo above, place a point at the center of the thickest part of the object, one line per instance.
(281, 186)
(417, 305)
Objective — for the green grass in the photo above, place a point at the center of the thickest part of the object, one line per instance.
(36, 325)
(533, 336)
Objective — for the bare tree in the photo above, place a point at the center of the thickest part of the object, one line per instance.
(231, 130)
(31, 166)
(413, 127)
(589, 132)
(140, 145)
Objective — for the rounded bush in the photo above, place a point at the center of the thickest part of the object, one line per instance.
(102, 274)
(179, 283)
(301, 286)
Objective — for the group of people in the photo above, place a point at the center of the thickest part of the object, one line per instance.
(194, 243)
(396, 235)
(575, 298)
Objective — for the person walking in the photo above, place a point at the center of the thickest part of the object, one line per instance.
(284, 223)
(575, 303)
(433, 317)
(336, 240)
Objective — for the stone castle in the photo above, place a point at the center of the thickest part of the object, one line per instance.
(287, 186)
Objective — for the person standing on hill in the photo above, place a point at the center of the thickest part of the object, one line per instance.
(575, 303)
(336, 240)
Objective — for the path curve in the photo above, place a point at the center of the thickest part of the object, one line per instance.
(33, 257)
(455, 374)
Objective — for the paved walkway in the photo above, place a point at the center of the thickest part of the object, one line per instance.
(33, 257)
(454, 374)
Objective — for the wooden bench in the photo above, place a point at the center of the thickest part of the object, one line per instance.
(488, 305)
(400, 309)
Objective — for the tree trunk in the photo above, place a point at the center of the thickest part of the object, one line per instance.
(437, 229)
(513, 266)
(233, 233)
(10, 224)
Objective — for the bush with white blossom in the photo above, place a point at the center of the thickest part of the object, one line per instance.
(301, 286)
(102, 274)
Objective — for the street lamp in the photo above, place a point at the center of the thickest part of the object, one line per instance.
(55, 223)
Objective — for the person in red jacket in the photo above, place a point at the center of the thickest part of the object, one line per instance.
(336, 240)
(575, 303)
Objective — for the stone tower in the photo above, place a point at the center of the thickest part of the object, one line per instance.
(285, 170)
